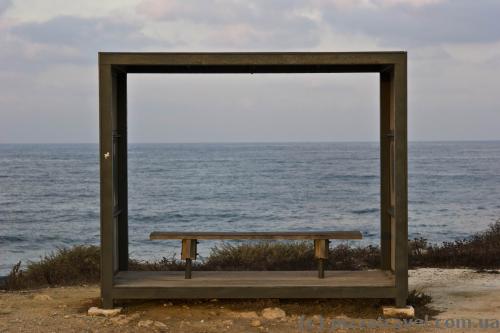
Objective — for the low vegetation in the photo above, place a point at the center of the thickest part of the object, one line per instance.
(288, 256)
(480, 251)
(76, 265)
(80, 264)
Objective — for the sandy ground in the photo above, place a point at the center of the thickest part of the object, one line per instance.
(457, 294)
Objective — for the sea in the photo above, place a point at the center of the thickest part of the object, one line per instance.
(49, 193)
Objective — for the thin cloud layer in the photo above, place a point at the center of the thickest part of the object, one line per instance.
(82, 38)
(4, 4)
(404, 23)
(271, 24)
(48, 60)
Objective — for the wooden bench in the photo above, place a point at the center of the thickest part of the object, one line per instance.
(321, 242)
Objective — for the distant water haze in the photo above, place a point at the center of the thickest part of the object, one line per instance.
(49, 193)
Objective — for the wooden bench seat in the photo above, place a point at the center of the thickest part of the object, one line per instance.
(321, 241)
(293, 235)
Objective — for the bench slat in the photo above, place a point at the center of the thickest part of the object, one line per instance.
(295, 235)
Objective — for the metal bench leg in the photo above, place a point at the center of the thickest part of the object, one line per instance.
(187, 274)
(188, 253)
(321, 253)
(321, 268)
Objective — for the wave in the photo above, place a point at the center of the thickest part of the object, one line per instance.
(365, 211)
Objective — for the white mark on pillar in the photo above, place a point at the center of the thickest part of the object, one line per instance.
(106, 155)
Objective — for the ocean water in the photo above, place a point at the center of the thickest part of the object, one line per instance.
(49, 194)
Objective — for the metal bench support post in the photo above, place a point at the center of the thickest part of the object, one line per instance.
(187, 274)
(188, 253)
(321, 253)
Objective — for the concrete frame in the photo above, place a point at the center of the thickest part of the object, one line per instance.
(113, 70)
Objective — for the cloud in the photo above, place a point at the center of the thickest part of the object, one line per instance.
(52, 55)
(398, 22)
(4, 5)
(379, 3)
(74, 31)
(272, 24)
(77, 39)
(300, 24)
(57, 104)
(219, 11)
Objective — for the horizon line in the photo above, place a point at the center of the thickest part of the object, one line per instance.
(250, 142)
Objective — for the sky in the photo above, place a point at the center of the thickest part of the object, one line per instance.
(48, 69)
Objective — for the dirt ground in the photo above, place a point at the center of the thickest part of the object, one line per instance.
(457, 294)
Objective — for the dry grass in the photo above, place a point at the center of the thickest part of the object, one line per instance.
(480, 251)
(80, 264)
(288, 256)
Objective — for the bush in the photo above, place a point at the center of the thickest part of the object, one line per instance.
(480, 251)
(80, 264)
(261, 256)
(165, 264)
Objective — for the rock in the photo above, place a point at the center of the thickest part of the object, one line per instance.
(273, 313)
(124, 320)
(228, 322)
(119, 320)
(391, 311)
(212, 313)
(317, 319)
(247, 315)
(213, 300)
(145, 323)
(393, 321)
(343, 316)
(255, 323)
(42, 297)
(5, 311)
(159, 324)
(134, 316)
(95, 311)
